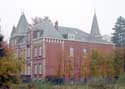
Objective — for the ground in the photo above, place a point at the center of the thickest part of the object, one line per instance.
(49, 86)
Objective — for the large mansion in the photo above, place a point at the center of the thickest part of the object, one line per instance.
(53, 50)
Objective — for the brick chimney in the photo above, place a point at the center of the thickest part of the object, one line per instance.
(56, 25)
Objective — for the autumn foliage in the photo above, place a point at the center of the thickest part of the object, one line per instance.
(96, 64)
(10, 67)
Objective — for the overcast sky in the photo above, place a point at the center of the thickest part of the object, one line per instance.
(71, 13)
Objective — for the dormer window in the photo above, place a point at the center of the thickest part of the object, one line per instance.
(40, 33)
(35, 34)
(71, 36)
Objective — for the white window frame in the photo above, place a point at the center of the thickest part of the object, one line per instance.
(28, 52)
(28, 70)
(35, 69)
(71, 50)
(71, 36)
(28, 37)
(40, 51)
(85, 51)
(40, 69)
(35, 52)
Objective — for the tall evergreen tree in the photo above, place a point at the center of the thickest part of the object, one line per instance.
(119, 32)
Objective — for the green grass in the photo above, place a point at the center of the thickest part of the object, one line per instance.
(49, 86)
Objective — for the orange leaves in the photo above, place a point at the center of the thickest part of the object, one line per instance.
(101, 64)
(9, 65)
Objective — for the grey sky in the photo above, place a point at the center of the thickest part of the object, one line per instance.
(71, 13)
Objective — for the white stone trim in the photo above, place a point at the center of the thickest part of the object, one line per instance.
(46, 40)
(52, 40)
(44, 60)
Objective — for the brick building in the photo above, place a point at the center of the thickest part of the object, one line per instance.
(53, 50)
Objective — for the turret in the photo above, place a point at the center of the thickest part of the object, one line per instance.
(95, 28)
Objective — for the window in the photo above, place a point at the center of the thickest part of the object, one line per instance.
(40, 69)
(28, 37)
(40, 51)
(35, 34)
(35, 52)
(43, 50)
(71, 36)
(84, 51)
(28, 70)
(28, 52)
(35, 69)
(40, 33)
(71, 52)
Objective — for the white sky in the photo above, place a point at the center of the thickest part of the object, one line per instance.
(71, 13)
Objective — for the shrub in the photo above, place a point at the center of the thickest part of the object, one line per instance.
(121, 79)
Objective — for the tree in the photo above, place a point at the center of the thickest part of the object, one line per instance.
(95, 64)
(118, 37)
(10, 68)
(85, 67)
(102, 64)
(37, 20)
(107, 65)
(118, 61)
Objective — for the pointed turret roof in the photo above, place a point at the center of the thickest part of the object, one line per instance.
(13, 30)
(22, 25)
(95, 28)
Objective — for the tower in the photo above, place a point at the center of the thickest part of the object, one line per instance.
(18, 34)
(95, 28)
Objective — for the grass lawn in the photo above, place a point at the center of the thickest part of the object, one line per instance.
(49, 86)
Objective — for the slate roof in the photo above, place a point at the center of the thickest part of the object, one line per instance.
(79, 35)
(13, 31)
(95, 28)
(48, 29)
(22, 25)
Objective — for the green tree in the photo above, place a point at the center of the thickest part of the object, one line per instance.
(119, 32)
(118, 61)
(10, 68)
(101, 64)
(95, 64)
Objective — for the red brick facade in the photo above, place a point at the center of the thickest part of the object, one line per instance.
(57, 60)
(51, 50)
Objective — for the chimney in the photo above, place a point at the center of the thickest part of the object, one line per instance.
(56, 25)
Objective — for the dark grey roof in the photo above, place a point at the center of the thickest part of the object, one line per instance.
(48, 29)
(21, 28)
(13, 31)
(79, 35)
(22, 25)
(95, 28)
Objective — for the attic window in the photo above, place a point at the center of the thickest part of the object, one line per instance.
(40, 33)
(71, 36)
(35, 34)
(21, 40)
(65, 36)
